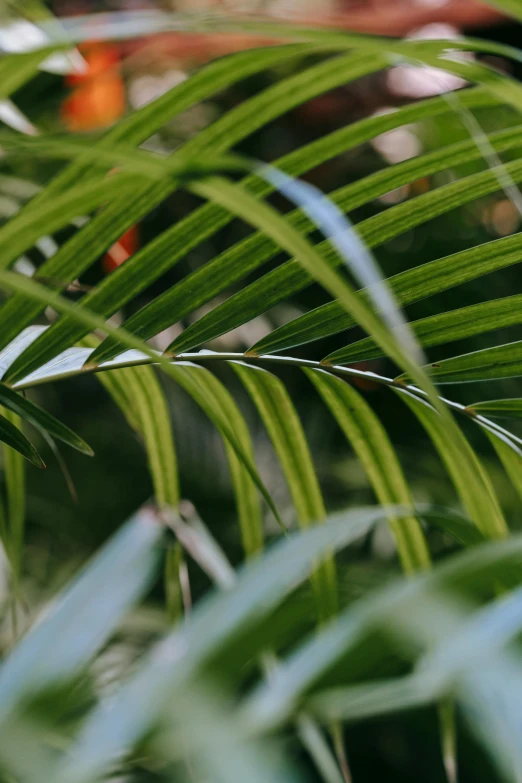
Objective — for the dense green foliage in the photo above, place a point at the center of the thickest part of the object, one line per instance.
(279, 654)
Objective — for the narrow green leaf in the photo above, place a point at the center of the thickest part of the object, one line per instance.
(149, 165)
(20, 233)
(150, 263)
(409, 286)
(289, 278)
(510, 408)
(41, 419)
(359, 702)
(286, 433)
(317, 747)
(510, 459)
(13, 437)
(226, 417)
(445, 327)
(468, 475)
(372, 446)
(101, 232)
(247, 499)
(91, 241)
(82, 617)
(14, 512)
(260, 586)
(205, 283)
(139, 395)
(183, 375)
(17, 69)
(500, 361)
(148, 398)
(483, 565)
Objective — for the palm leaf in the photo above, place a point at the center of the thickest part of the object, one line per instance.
(372, 446)
(101, 232)
(286, 433)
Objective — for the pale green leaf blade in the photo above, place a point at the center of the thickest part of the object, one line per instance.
(483, 565)
(286, 433)
(317, 747)
(139, 395)
(226, 417)
(148, 399)
(467, 475)
(359, 702)
(246, 494)
(13, 511)
(510, 459)
(372, 446)
(155, 685)
(82, 618)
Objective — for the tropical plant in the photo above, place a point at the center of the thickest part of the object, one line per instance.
(248, 661)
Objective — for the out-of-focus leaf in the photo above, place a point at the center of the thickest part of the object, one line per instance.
(510, 459)
(511, 7)
(83, 616)
(483, 565)
(20, 233)
(13, 513)
(216, 623)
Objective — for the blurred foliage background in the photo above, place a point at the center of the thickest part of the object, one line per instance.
(65, 525)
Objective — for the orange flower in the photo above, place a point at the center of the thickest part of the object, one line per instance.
(97, 100)
(123, 249)
(98, 95)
